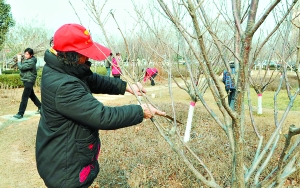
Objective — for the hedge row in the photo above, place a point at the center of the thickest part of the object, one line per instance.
(99, 70)
(11, 72)
(12, 78)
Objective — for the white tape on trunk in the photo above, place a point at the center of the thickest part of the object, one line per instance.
(259, 103)
(188, 128)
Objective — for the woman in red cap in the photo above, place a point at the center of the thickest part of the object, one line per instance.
(67, 140)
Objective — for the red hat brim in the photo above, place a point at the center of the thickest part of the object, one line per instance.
(96, 52)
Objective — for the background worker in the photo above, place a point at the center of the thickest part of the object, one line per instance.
(28, 75)
(108, 65)
(116, 69)
(229, 84)
(150, 74)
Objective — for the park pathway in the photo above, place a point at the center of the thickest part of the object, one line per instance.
(6, 120)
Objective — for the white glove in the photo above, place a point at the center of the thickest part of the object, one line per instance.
(19, 57)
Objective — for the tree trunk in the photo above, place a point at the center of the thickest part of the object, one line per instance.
(238, 180)
(259, 103)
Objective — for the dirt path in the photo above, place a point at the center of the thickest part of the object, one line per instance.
(17, 154)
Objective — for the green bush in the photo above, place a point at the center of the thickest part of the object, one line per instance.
(11, 80)
(99, 70)
(14, 79)
(11, 72)
(38, 78)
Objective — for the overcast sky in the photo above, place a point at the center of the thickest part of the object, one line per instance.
(55, 13)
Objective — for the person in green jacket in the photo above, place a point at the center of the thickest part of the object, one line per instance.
(28, 75)
(67, 140)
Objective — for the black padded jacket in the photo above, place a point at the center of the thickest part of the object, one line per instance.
(27, 69)
(67, 140)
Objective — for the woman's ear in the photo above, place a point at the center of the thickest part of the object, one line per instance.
(82, 59)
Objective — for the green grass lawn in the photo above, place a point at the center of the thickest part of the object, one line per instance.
(268, 100)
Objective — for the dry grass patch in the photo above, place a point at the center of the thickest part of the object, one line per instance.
(138, 156)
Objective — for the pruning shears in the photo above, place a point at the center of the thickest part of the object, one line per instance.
(166, 116)
(172, 119)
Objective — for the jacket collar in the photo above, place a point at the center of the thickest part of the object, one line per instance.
(80, 71)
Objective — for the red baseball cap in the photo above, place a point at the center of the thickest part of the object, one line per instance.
(76, 38)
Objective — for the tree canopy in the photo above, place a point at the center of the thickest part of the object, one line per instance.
(6, 21)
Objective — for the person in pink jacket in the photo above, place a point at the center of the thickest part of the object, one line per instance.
(116, 70)
(150, 74)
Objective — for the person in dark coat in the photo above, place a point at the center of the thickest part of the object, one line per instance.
(67, 140)
(28, 75)
(108, 65)
(229, 84)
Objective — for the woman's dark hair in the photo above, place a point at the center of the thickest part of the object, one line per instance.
(51, 42)
(29, 50)
(69, 58)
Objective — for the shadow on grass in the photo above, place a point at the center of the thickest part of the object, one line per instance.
(117, 178)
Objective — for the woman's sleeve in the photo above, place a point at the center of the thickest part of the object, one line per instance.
(106, 85)
(26, 65)
(75, 103)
